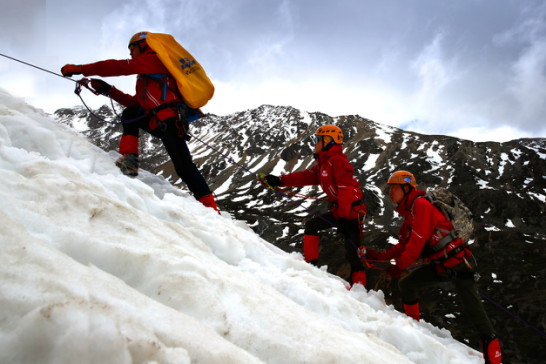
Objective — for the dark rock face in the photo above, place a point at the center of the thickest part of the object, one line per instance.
(503, 184)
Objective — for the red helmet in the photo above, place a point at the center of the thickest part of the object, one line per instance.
(402, 178)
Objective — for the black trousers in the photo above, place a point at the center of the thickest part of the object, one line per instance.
(174, 144)
(467, 290)
(352, 239)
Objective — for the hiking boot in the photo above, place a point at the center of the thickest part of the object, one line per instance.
(311, 248)
(208, 201)
(491, 349)
(359, 278)
(128, 164)
(412, 310)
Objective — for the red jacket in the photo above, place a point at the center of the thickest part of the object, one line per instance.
(335, 175)
(149, 91)
(419, 229)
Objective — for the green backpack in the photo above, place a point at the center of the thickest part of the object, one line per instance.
(455, 211)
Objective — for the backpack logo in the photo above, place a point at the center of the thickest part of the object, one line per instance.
(186, 63)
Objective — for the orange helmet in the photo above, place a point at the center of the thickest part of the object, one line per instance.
(402, 178)
(138, 37)
(332, 131)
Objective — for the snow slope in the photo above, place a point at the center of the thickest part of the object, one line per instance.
(97, 267)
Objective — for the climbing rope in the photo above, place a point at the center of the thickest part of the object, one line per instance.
(40, 68)
(300, 195)
(85, 83)
(510, 313)
(79, 83)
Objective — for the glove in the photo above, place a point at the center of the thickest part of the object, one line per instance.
(394, 271)
(343, 225)
(70, 70)
(272, 180)
(361, 252)
(372, 254)
(100, 86)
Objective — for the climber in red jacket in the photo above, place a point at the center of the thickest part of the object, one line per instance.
(156, 108)
(426, 232)
(335, 175)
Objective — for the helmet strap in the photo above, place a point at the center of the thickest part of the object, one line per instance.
(404, 191)
(139, 44)
(327, 147)
(142, 49)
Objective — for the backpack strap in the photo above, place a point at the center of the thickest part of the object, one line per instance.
(161, 78)
(449, 255)
(412, 205)
(444, 241)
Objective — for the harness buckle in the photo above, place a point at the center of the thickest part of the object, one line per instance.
(162, 125)
(183, 119)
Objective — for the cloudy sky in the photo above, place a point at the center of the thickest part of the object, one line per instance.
(474, 69)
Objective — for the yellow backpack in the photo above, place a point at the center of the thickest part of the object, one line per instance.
(192, 81)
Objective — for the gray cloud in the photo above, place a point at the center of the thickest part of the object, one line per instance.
(456, 68)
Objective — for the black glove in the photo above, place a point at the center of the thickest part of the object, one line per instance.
(343, 225)
(394, 271)
(272, 180)
(100, 86)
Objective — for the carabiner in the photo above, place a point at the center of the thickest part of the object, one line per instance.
(78, 88)
(85, 83)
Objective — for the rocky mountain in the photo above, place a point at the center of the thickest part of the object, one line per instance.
(503, 184)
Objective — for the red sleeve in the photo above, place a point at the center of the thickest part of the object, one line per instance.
(123, 98)
(397, 250)
(392, 253)
(404, 233)
(146, 63)
(425, 219)
(298, 179)
(343, 177)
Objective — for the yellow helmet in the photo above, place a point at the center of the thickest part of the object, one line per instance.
(402, 178)
(138, 37)
(332, 131)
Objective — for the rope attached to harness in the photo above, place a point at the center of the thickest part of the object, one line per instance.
(85, 83)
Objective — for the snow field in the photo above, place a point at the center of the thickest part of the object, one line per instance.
(98, 267)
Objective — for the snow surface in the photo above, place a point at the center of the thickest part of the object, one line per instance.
(100, 268)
